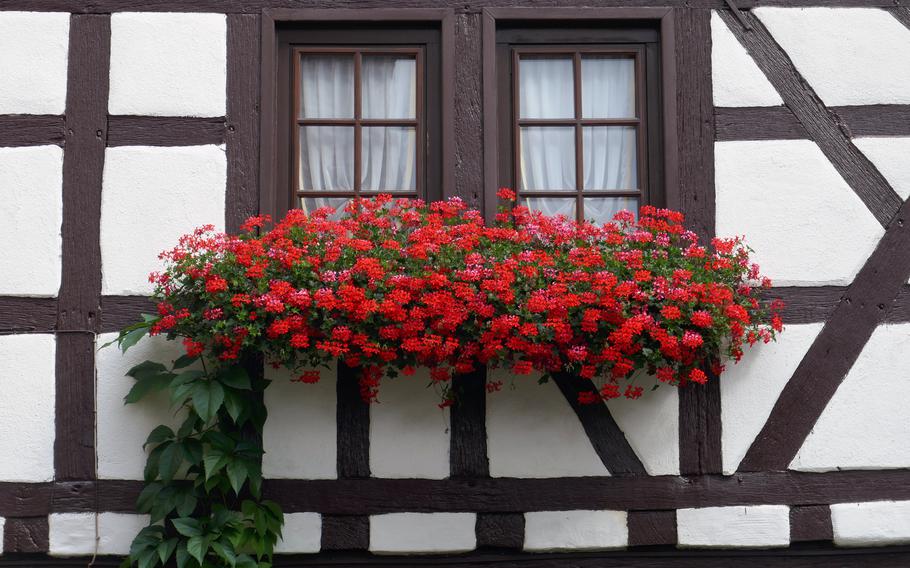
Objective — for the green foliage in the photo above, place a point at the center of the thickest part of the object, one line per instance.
(203, 482)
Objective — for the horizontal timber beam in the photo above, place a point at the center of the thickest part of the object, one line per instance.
(779, 123)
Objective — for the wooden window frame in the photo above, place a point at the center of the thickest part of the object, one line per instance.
(548, 26)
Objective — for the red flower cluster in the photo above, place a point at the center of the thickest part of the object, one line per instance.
(399, 284)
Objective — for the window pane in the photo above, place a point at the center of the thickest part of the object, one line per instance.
(326, 86)
(310, 204)
(607, 87)
(389, 86)
(327, 158)
(389, 159)
(548, 158)
(610, 157)
(546, 87)
(602, 209)
(552, 206)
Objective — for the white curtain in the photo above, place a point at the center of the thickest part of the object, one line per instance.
(546, 87)
(601, 209)
(607, 87)
(327, 152)
(389, 152)
(552, 206)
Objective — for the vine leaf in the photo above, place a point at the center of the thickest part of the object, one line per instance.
(208, 396)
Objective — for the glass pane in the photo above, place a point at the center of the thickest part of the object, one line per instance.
(607, 87)
(310, 204)
(610, 157)
(389, 86)
(548, 158)
(326, 158)
(326, 86)
(602, 209)
(546, 87)
(552, 206)
(389, 159)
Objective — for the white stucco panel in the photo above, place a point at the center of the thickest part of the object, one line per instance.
(889, 154)
(27, 407)
(806, 225)
(533, 432)
(300, 434)
(301, 534)
(651, 425)
(121, 428)
(409, 434)
(422, 533)
(2, 536)
(31, 207)
(74, 534)
(761, 526)
(750, 388)
(736, 79)
(34, 48)
(168, 64)
(878, 523)
(150, 197)
(865, 424)
(575, 530)
(850, 56)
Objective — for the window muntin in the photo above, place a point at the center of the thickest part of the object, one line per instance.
(359, 120)
(578, 128)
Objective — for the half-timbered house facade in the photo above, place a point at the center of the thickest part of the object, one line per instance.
(124, 124)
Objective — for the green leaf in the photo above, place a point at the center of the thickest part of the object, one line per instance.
(166, 549)
(237, 474)
(187, 427)
(164, 503)
(183, 384)
(148, 558)
(225, 553)
(187, 526)
(147, 497)
(151, 464)
(235, 403)
(130, 338)
(236, 377)
(214, 462)
(158, 435)
(197, 546)
(208, 396)
(184, 361)
(169, 463)
(183, 557)
(192, 451)
(146, 369)
(186, 502)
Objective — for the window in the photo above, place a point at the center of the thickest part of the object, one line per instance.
(362, 113)
(579, 135)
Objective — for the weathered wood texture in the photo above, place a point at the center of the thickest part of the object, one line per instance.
(341, 532)
(118, 312)
(874, 120)
(805, 304)
(353, 422)
(821, 124)
(27, 315)
(78, 304)
(31, 130)
(468, 432)
(469, 147)
(757, 123)
(606, 437)
(809, 523)
(652, 528)
(500, 530)
(28, 535)
(164, 131)
(902, 13)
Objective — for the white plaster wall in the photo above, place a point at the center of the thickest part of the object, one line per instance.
(409, 434)
(850, 56)
(533, 432)
(74, 534)
(300, 435)
(122, 429)
(150, 197)
(301, 534)
(27, 407)
(31, 207)
(33, 67)
(169, 64)
(422, 533)
(737, 81)
(749, 389)
(651, 425)
(2, 536)
(575, 530)
(890, 156)
(806, 225)
(865, 424)
(761, 526)
(878, 523)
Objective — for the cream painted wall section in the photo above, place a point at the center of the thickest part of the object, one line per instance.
(122, 429)
(749, 389)
(879, 523)
(737, 81)
(409, 434)
(865, 424)
(27, 407)
(301, 534)
(575, 530)
(33, 67)
(300, 435)
(761, 526)
(422, 533)
(805, 223)
(168, 64)
(31, 207)
(73, 534)
(2, 535)
(850, 56)
(533, 432)
(150, 197)
(891, 155)
(651, 425)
